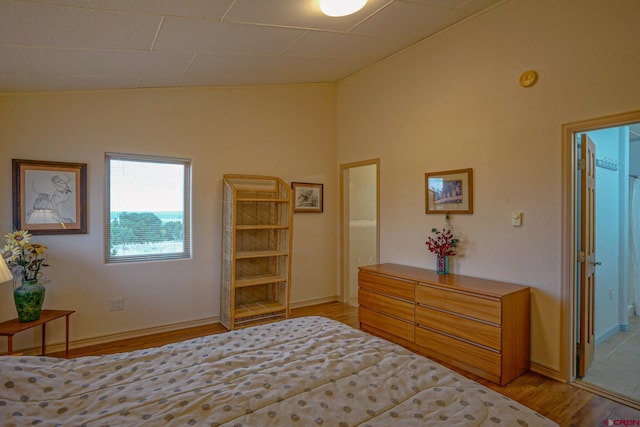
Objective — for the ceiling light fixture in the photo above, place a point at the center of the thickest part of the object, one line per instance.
(341, 7)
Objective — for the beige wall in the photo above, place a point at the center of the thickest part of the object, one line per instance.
(450, 102)
(454, 102)
(284, 131)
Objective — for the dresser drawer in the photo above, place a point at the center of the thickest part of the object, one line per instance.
(392, 306)
(466, 304)
(468, 329)
(388, 324)
(387, 285)
(451, 350)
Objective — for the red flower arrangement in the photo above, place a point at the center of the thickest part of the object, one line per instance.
(443, 244)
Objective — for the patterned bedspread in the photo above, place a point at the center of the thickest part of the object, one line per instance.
(308, 371)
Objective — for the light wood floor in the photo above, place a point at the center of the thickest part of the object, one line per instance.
(565, 404)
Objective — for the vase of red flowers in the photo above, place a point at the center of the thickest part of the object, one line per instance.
(442, 264)
(444, 245)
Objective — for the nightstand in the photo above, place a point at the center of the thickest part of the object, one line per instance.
(11, 327)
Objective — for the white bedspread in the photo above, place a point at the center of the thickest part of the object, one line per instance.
(299, 372)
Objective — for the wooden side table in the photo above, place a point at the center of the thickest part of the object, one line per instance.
(11, 327)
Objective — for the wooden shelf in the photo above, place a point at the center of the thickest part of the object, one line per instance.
(261, 199)
(260, 320)
(261, 227)
(258, 308)
(259, 280)
(259, 254)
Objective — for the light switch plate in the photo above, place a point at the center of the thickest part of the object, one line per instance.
(516, 219)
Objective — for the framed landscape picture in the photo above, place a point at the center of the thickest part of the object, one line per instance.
(449, 191)
(307, 197)
(49, 197)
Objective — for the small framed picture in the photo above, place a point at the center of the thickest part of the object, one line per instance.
(449, 191)
(307, 197)
(49, 197)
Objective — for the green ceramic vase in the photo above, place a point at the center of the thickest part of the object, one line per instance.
(29, 298)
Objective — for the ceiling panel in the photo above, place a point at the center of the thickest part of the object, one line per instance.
(409, 22)
(463, 5)
(206, 9)
(187, 34)
(315, 44)
(102, 62)
(237, 69)
(56, 82)
(106, 44)
(30, 24)
(13, 61)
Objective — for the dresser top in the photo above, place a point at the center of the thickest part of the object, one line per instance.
(449, 281)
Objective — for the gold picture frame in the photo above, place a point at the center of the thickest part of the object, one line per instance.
(307, 197)
(449, 191)
(49, 197)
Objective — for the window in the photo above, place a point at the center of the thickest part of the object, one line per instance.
(147, 208)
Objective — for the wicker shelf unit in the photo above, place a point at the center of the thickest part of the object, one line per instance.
(257, 230)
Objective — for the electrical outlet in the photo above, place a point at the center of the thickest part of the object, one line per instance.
(116, 304)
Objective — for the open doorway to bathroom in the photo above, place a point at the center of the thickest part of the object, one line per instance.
(606, 301)
(360, 225)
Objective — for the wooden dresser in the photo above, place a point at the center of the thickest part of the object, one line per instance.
(479, 325)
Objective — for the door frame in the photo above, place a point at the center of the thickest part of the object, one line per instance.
(344, 219)
(569, 224)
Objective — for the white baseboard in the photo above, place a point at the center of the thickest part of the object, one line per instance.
(299, 304)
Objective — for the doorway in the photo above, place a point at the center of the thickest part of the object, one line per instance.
(359, 223)
(605, 311)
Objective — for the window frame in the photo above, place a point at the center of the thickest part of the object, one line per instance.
(186, 252)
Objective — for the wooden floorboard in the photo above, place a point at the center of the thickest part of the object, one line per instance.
(565, 404)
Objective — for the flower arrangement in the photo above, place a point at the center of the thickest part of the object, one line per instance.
(443, 243)
(24, 256)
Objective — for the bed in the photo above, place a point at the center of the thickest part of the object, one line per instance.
(309, 371)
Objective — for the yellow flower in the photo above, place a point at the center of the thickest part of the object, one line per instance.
(22, 254)
(39, 248)
(20, 237)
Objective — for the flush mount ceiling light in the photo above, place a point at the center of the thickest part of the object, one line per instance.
(341, 7)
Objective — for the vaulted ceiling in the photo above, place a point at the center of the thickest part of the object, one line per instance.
(56, 45)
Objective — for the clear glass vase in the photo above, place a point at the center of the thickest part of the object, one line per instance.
(442, 264)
